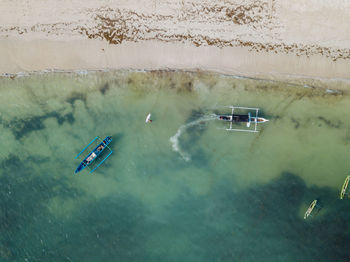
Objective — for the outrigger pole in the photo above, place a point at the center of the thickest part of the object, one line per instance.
(101, 161)
(104, 158)
(242, 107)
(87, 146)
(232, 129)
(256, 119)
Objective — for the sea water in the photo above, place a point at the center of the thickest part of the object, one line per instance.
(181, 188)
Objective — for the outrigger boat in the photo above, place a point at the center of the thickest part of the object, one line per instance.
(309, 210)
(92, 156)
(345, 187)
(243, 118)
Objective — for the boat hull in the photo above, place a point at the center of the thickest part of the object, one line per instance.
(259, 120)
(310, 209)
(344, 187)
(89, 159)
(79, 168)
(242, 119)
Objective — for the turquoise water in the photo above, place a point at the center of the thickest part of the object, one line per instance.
(180, 188)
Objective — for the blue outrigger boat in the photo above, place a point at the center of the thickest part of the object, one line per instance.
(94, 154)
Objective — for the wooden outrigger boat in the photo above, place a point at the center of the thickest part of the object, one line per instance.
(92, 156)
(243, 118)
(310, 209)
(344, 188)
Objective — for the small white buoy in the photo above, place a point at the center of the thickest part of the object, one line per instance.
(148, 118)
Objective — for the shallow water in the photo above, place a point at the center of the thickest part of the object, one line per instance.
(180, 188)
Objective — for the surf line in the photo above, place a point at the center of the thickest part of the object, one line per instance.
(175, 138)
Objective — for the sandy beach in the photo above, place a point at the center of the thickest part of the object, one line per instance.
(256, 38)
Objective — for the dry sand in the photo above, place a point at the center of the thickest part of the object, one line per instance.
(290, 39)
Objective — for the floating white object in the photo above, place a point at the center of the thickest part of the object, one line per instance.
(148, 118)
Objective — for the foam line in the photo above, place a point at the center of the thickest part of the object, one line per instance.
(175, 138)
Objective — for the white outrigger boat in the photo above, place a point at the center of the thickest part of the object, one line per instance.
(344, 188)
(310, 209)
(243, 118)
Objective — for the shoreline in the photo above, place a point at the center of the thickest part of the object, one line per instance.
(74, 56)
(329, 85)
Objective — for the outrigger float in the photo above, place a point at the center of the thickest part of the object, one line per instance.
(310, 209)
(242, 118)
(92, 156)
(344, 188)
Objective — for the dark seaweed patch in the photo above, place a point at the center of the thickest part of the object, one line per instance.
(11, 161)
(103, 89)
(21, 127)
(183, 88)
(330, 123)
(261, 223)
(66, 118)
(295, 122)
(189, 86)
(263, 87)
(76, 96)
